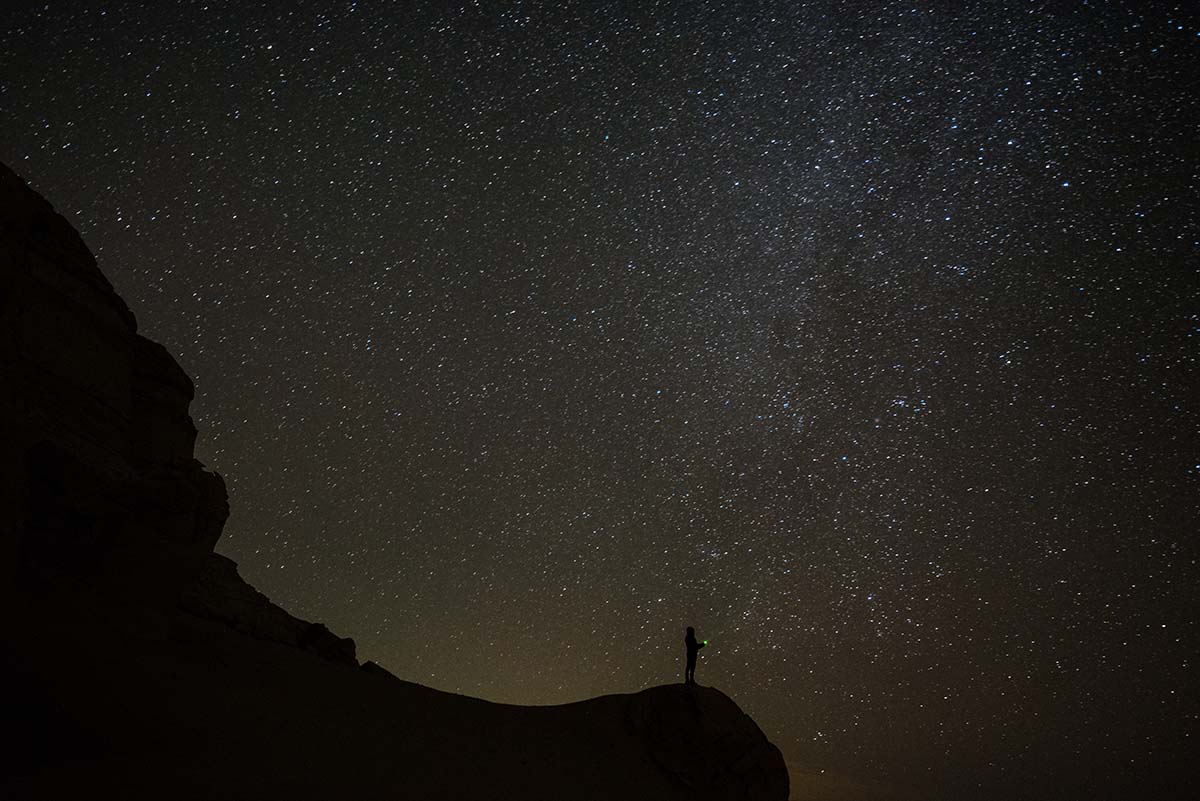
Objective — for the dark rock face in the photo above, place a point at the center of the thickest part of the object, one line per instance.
(103, 492)
(220, 594)
(95, 439)
(710, 745)
(139, 664)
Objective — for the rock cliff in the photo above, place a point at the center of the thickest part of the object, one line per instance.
(137, 663)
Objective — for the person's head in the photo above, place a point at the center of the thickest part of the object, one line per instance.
(691, 632)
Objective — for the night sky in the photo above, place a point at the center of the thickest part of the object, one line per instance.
(527, 335)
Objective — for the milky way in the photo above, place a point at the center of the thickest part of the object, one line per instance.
(865, 342)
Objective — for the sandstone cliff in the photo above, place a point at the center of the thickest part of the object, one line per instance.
(136, 663)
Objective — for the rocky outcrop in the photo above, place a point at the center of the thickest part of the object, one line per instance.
(101, 487)
(140, 664)
(701, 737)
(220, 594)
(103, 494)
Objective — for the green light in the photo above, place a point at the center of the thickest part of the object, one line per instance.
(706, 642)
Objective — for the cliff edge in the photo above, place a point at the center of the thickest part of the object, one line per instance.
(138, 664)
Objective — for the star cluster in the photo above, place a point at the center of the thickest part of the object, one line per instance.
(861, 337)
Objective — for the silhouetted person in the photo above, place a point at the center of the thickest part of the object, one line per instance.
(693, 648)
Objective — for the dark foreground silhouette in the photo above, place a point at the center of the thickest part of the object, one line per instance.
(137, 664)
(693, 650)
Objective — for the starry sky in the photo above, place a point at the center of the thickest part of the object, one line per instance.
(863, 339)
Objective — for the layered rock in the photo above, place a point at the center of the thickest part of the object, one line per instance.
(220, 594)
(104, 494)
(708, 744)
(95, 438)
